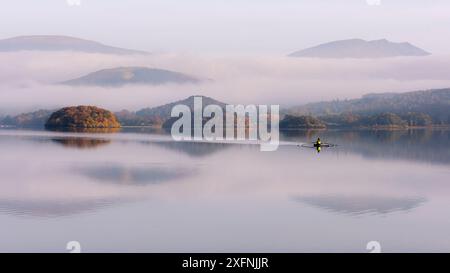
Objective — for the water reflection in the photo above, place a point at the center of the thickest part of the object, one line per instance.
(416, 144)
(194, 149)
(358, 205)
(81, 142)
(53, 208)
(133, 175)
(216, 196)
(85, 130)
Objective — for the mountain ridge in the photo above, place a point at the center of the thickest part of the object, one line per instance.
(61, 43)
(414, 108)
(119, 76)
(434, 102)
(359, 48)
(166, 109)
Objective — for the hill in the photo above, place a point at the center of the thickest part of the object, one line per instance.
(358, 48)
(82, 117)
(434, 103)
(32, 119)
(157, 116)
(129, 118)
(301, 122)
(164, 111)
(388, 110)
(116, 77)
(60, 43)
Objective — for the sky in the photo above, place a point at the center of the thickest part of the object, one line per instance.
(27, 79)
(241, 45)
(231, 27)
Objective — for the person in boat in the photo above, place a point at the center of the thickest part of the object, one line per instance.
(318, 142)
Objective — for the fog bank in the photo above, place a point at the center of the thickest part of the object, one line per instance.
(27, 79)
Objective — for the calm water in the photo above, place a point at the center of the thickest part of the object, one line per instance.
(139, 191)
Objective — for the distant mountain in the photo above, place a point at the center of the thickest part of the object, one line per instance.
(160, 115)
(32, 119)
(116, 77)
(435, 103)
(358, 48)
(157, 116)
(164, 111)
(60, 43)
(129, 118)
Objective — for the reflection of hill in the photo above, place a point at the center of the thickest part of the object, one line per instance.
(145, 130)
(194, 149)
(86, 130)
(302, 134)
(357, 205)
(417, 144)
(134, 176)
(81, 142)
(52, 208)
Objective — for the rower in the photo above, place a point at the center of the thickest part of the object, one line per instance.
(318, 142)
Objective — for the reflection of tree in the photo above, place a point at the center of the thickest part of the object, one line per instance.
(86, 130)
(81, 142)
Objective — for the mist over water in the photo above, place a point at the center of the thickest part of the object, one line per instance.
(29, 79)
(141, 191)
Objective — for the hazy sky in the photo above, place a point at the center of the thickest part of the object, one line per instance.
(240, 44)
(26, 79)
(231, 26)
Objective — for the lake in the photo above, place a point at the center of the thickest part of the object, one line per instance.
(139, 191)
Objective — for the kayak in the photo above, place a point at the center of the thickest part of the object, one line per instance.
(315, 145)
